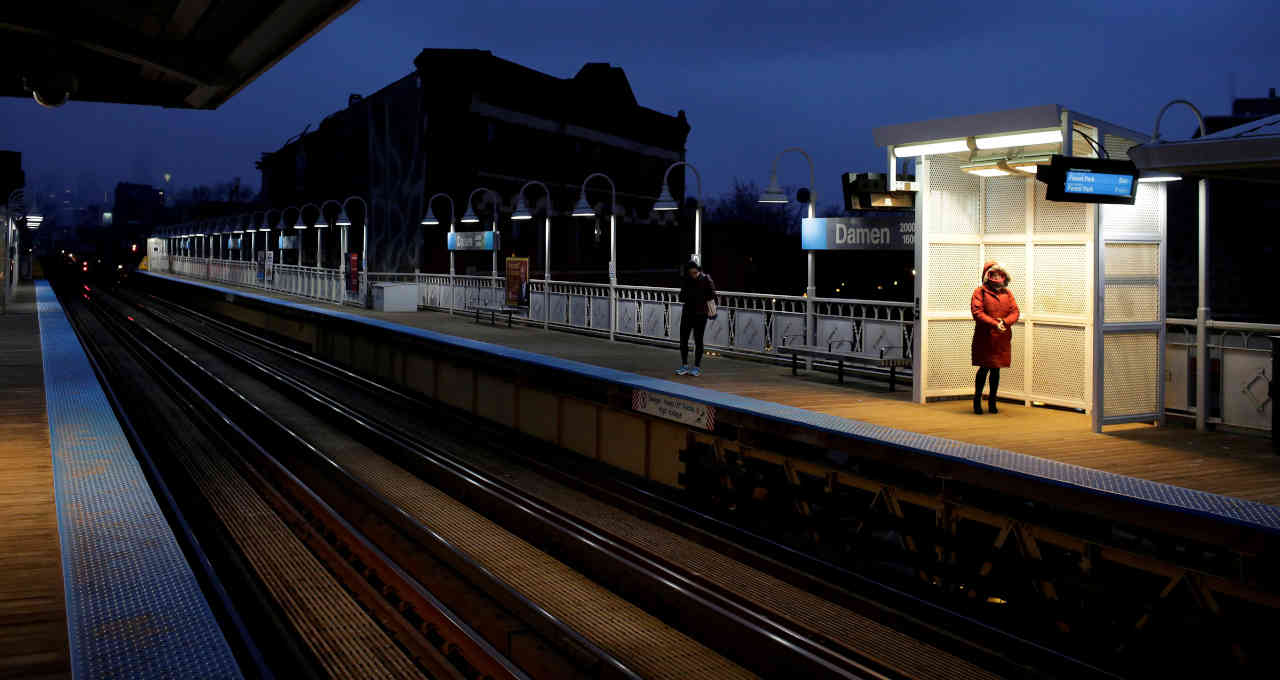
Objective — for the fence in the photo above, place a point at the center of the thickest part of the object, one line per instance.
(1239, 372)
(313, 283)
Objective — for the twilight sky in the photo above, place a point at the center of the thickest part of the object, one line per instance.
(753, 76)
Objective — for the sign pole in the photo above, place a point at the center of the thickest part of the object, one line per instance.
(810, 329)
(546, 272)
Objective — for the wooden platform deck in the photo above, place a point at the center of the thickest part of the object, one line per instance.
(1237, 465)
(33, 625)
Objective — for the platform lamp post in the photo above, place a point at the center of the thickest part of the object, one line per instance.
(775, 195)
(667, 203)
(584, 209)
(430, 220)
(522, 213)
(364, 240)
(470, 218)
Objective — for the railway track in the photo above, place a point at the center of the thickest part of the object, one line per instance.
(776, 622)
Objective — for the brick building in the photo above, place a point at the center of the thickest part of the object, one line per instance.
(465, 119)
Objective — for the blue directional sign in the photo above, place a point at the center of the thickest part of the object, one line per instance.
(473, 240)
(1098, 183)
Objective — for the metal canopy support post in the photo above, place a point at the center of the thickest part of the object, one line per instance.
(613, 272)
(1202, 307)
(546, 270)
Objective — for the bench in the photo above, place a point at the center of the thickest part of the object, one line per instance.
(494, 311)
(829, 353)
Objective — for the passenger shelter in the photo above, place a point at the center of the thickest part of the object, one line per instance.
(1088, 278)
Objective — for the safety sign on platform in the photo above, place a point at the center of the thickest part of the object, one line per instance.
(673, 408)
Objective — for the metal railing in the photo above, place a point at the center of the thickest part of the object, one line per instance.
(312, 283)
(1239, 372)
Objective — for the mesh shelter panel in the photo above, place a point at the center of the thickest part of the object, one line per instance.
(953, 197)
(1058, 354)
(1142, 217)
(1062, 279)
(1060, 218)
(1117, 147)
(952, 273)
(1132, 291)
(1005, 205)
(950, 361)
(1012, 378)
(1014, 258)
(1081, 146)
(1131, 374)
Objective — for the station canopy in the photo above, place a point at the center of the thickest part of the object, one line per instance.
(192, 54)
(1248, 151)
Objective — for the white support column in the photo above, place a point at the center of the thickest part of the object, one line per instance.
(546, 270)
(1202, 308)
(613, 274)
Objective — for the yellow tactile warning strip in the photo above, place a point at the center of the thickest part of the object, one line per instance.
(642, 642)
(903, 653)
(346, 641)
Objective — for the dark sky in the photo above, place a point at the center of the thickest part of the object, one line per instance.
(753, 76)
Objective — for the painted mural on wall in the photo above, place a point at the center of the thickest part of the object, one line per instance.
(397, 168)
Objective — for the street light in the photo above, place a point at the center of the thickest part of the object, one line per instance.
(522, 213)
(584, 209)
(470, 217)
(430, 220)
(667, 203)
(774, 194)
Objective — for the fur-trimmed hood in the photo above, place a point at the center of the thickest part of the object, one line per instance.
(994, 266)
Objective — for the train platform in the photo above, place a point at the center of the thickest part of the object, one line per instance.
(93, 582)
(1224, 477)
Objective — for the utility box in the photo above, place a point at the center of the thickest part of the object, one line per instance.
(395, 297)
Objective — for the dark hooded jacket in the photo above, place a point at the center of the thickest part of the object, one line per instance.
(695, 293)
(992, 347)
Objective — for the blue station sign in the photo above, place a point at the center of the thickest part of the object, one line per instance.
(473, 240)
(869, 231)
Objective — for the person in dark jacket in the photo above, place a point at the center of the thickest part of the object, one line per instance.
(994, 313)
(696, 290)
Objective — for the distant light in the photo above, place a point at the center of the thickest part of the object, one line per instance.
(1152, 176)
(913, 272)
(997, 600)
(895, 283)
(880, 287)
(1019, 139)
(931, 148)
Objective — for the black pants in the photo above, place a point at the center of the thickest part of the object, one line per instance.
(981, 378)
(696, 324)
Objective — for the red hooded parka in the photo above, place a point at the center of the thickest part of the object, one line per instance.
(992, 347)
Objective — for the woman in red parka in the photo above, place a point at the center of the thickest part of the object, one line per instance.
(994, 313)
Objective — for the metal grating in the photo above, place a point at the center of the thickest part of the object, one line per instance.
(1005, 205)
(1132, 291)
(950, 359)
(1062, 279)
(952, 198)
(1233, 510)
(1132, 260)
(1117, 147)
(1012, 379)
(1131, 301)
(1058, 354)
(1014, 258)
(1060, 218)
(1081, 146)
(1143, 217)
(952, 272)
(1131, 373)
(134, 607)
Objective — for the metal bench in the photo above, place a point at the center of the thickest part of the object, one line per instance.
(495, 310)
(829, 353)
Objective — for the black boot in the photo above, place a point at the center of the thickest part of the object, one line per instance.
(995, 387)
(978, 383)
(991, 405)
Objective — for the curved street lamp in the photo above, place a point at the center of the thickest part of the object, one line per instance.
(775, 194)
(470, 218)
(667, 203)
(430, 220)
(522, 213)
(584, 209)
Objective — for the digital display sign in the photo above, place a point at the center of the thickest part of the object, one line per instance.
(1100, 183)
(1074, 179)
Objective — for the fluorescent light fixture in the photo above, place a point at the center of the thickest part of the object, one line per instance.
(428, 220)
(910, 150)
(583, 209)
(1028, 164)
(343, 220)
(299, 224)
(989, 168)
(470, 217)
(320, 223)
(1019, 139)
(1150, 176)
(522, 210)
(666, 202)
